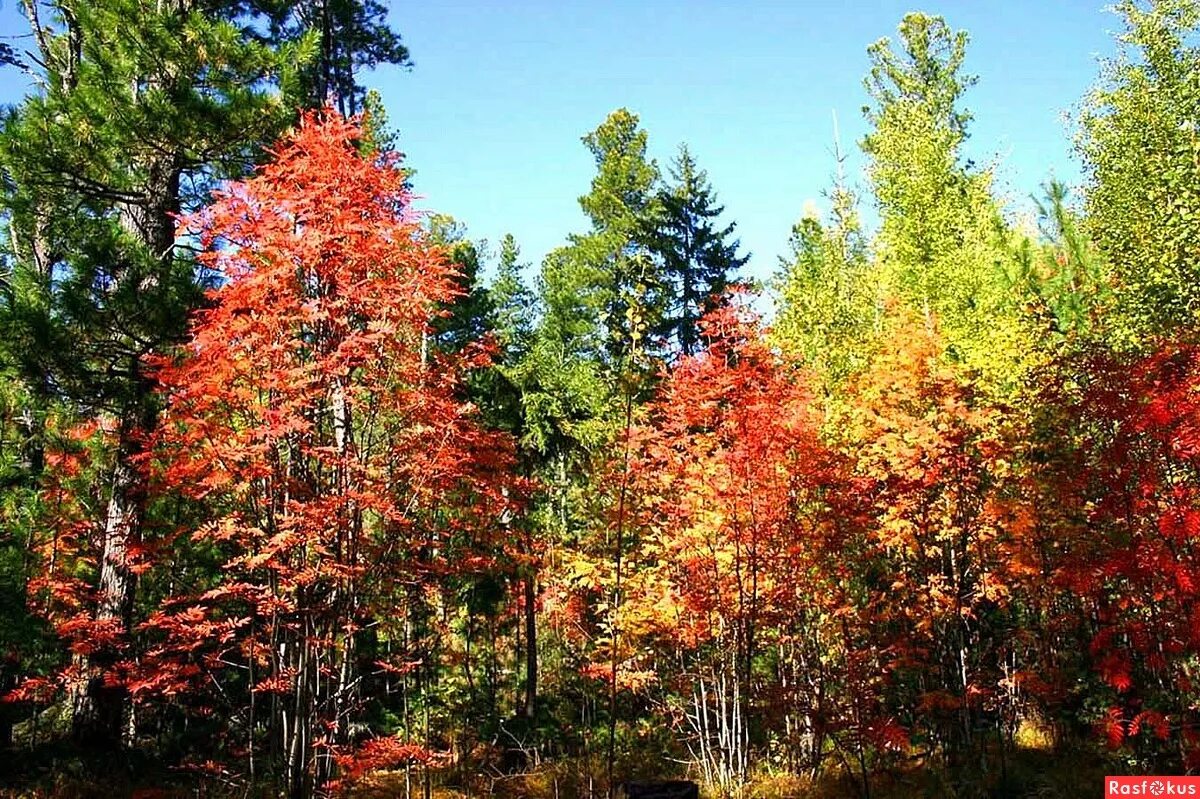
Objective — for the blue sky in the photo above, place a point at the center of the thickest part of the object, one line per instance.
(492, 112)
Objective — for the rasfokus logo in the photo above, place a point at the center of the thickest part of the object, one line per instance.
(1151, 786)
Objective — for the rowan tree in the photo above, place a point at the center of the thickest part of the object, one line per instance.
(138, 109)
(1133, 553)
(727, 522)
(938, 565)
(342, 474)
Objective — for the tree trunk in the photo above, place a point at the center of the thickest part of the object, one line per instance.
(531, 653)
(7, 711)
(100, 708)
(99, 711)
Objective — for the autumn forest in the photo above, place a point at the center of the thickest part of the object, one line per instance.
(305, 492)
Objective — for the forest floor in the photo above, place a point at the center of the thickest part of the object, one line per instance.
(55, 771)
(1029, 772)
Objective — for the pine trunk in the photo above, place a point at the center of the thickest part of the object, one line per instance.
(99, 707)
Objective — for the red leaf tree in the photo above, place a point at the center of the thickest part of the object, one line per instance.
(340, 469)
(945, 549)
(1139, 563)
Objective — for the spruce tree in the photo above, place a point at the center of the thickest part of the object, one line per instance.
(466, 318)
(698, 257)
(512, 303)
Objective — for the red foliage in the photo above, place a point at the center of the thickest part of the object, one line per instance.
(1142, 477)
(735, 509)
(379, 754)
(733, 465)
(942, 552)
(63, 586)
(338, 462)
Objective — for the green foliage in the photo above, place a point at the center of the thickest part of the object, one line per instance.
(512, 302)
(1060, 270)
(466, 318)
(929, 203)
(605, 287)
(827, 291)
(1140, 143)
(142, 109)
(136, 123)
(350, 35)
(699, 258)
(623, 187)
(379, 136)
(26, 646)
(133, 124)
(942, 244)
(988, 532)
(925, 75)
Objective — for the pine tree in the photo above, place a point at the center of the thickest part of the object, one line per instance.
(512, 306)
(1061, 271)
(350, 35)
(466, 317)
(143, 106)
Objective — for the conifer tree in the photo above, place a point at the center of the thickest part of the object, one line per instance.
(467, 315)
(606, 289)
(350, 35)
(699, 258)
(143, 105)
(512, 303)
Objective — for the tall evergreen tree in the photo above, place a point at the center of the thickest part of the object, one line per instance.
(511, 309)
(350, 34)
(598, 296)
(512, 303)
(606, 289)
(143, 105)
(698, 257)
(467, 316)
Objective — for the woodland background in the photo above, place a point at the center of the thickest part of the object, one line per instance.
(304, 493)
